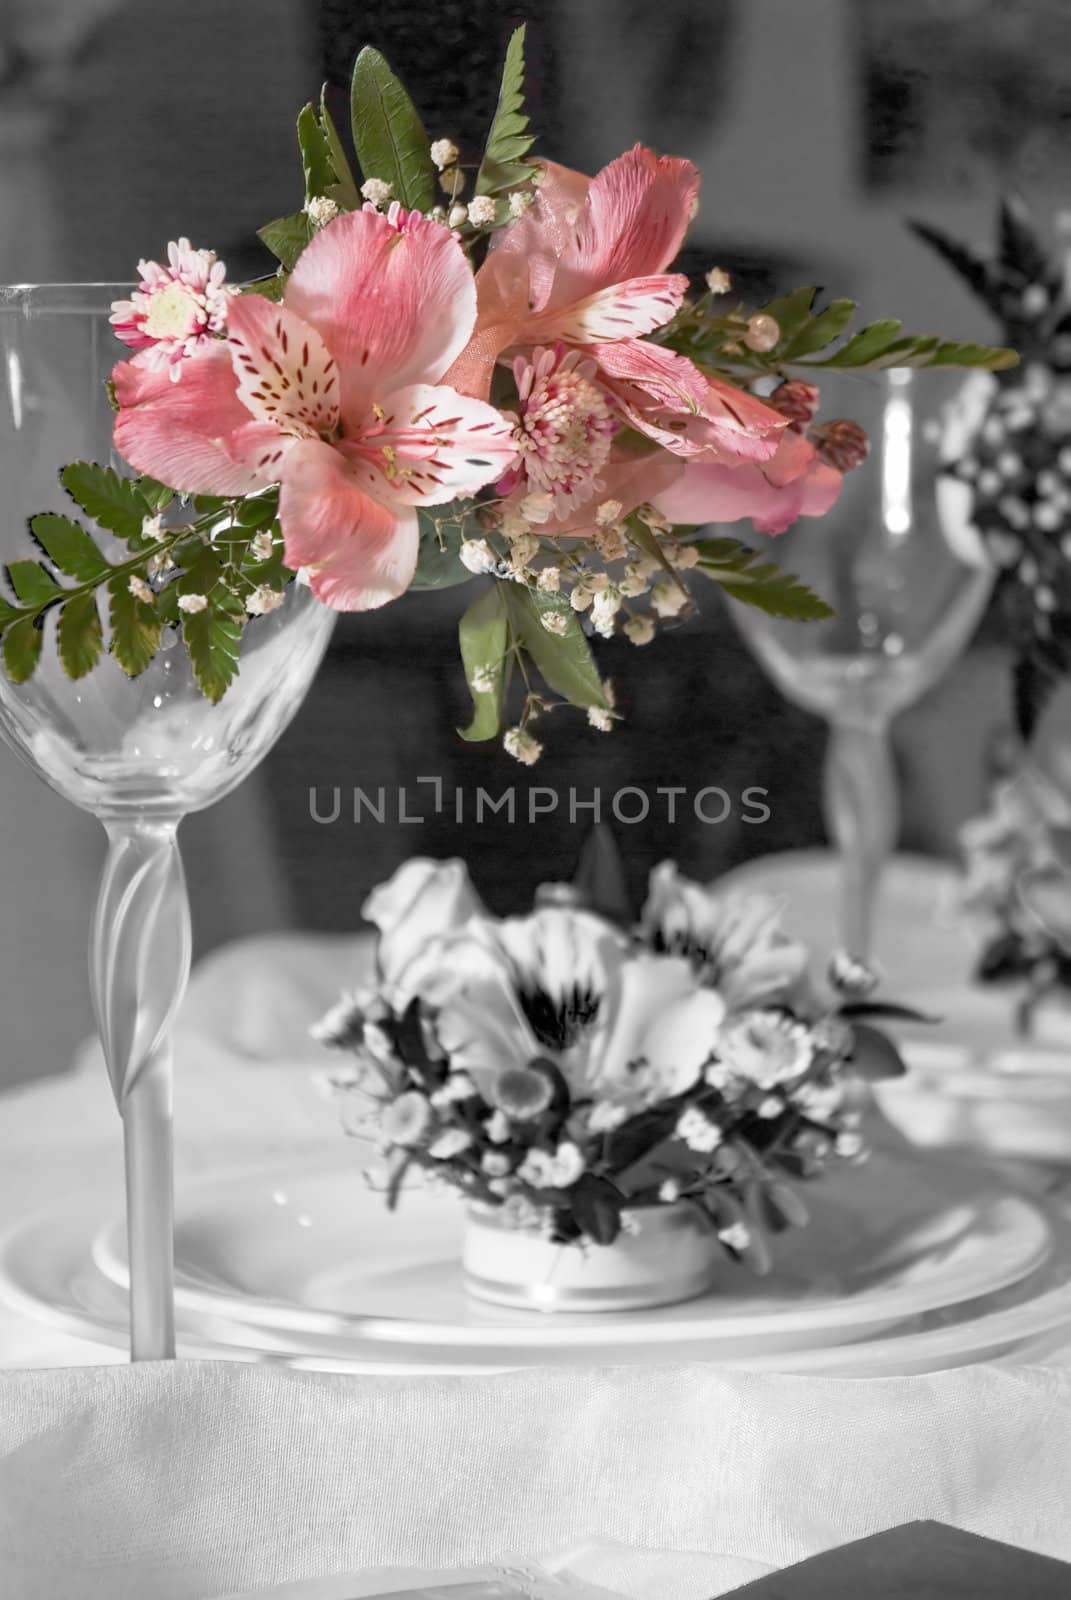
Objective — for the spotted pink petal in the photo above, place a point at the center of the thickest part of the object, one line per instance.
(624, 311)
(360, 553)
(667, 397)
(393, 299)
(286, 374)
(194, 434)
(631, 225)
(430, 445)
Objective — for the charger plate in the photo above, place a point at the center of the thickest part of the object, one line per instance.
(316, 1255)
(47, 1272)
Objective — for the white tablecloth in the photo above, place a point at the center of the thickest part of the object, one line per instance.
(195, 1480)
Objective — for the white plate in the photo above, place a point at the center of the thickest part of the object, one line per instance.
(46, 1272)
(317, 1254)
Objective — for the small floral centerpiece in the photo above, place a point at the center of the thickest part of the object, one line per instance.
(1010, 474)
(623, 1104)
(462, 369)
(1016, 890)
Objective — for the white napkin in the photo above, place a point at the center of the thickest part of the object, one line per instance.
(198, 1480)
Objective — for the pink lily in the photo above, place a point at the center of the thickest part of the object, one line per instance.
(585, 266)
(334, 395)
(795, 483)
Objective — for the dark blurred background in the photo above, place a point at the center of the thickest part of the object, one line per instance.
(818, 126)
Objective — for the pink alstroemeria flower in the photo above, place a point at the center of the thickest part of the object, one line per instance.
(795, 483)
(585, 267)
(334, 395)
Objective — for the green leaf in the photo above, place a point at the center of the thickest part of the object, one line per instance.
(135, 628)
(509, 141)
(79, 639)
(287, 237)
(213, 639)
(31, 583)
(971, 267)
(484, 637)
(744, 575)
(8, 613)
(22, 649)
(115, 503)
(863, 347)
(388, 135)
(874, 1056)
(564, 660)
(345, 191)
(316, 159)
(271, 287)
(157, 494)
(439, 565)
(259, 511)
(817, 332)
(69, 547)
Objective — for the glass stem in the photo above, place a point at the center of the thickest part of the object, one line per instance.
(139, 964)
(862, 819)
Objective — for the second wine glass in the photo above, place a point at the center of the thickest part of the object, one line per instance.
(909, 582)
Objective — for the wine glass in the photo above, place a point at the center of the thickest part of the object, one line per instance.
(909, 580)
(138, 753)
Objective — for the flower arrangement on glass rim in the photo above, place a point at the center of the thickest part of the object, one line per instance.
(436, 385)
(576, 1069)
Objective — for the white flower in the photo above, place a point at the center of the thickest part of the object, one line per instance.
(608, 513)
(482, 211)
(152, 527)
(558, 1171)
(718, 281)
(549, 580)
(669, 1191)
(458, 216)
(669, 599)
(140, 589)
(611, 543)
(519, 203)
(422, 905)
(682, 556)
(477, 555)
(405, 1120)
(537, 507)
(766, 1047)
(605, 1116)
(444, 153)
(321, 210)
(376, 191)
(641, 630)
(601, 719)
(849, 1146)
(452, 181)
(495, 1164)
(264, 600)
(736, 1236)
(484, 679)
(632, 584)
(604, 609)
(191, 604)
(159, 563)
(770, 1107)
(450, 1143)
(581, 596)
(522, 548)
(519, 743)
(735, 940)
(457, 1087)
(697, 1131)
(497, 1127)
(555, 622)
(262, 546)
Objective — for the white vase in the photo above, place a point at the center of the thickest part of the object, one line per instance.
(670, 1254)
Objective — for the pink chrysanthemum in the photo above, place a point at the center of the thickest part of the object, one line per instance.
(564, 430)
(176, 309)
